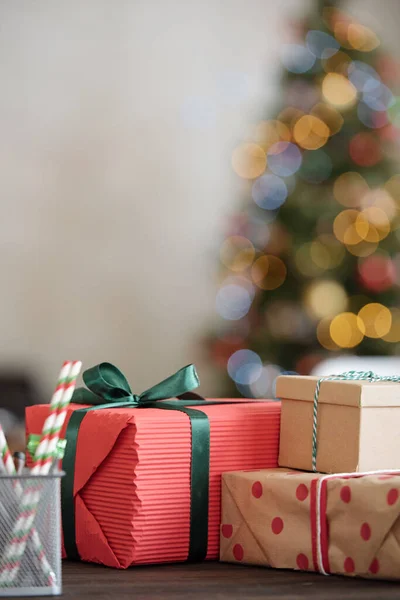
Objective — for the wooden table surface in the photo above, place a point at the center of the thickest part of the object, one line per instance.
(215, 581)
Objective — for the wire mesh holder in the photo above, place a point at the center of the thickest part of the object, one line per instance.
(30, 560)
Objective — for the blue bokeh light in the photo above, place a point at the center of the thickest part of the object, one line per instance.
(321, 44)
(244, 367)
(284, 159)
(296, 58)
(269, 192)
(233, 302)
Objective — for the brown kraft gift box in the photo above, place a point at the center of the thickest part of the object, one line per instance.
(343, 524)
(358, 424)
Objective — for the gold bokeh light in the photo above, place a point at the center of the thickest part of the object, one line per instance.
(237, 253)
(354, 36)
(338, 63)
(338, 90)
(268, 272)
(249, 160)
(377, 319)
(325, 298)
(310, 132)
(347, 330)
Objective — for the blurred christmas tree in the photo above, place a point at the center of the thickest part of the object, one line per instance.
(309, 262)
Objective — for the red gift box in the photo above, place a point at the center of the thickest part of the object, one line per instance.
(132, 479)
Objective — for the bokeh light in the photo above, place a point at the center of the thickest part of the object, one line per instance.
(377, 319)
(325, 298)
(316, 166)
(233, 302)
(296, 58)
(244, 367)
(348, 229)
(310, 132)
(249, 161)
(237, 253)
(338, 90)
(284, 159)
(328, 115)
(268, 133)
(268, 272)
(393, 335)
(350, 188)
(355, 36)
(321, 45)
(347, 330)
(269, 192)
(377, 273)
(365, 149)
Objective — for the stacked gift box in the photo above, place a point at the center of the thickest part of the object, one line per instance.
(144, 473)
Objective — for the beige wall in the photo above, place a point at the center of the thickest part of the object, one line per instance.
(113, 193)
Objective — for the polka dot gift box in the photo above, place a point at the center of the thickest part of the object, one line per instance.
(343, 524)
(341, 423)
(143, 472)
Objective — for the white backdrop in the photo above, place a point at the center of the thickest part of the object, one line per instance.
(117, 124)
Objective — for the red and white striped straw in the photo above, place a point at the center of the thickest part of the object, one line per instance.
(43, 459)
(7, 465)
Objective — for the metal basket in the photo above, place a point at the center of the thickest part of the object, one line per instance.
(30, 564)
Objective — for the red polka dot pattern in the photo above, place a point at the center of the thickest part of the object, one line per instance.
(345, 494)
(392, 496)
(349, 565)
(301, 492)
(238, 552)
(374, 567)
(365, 531)
(227, 531)
(257, 489)
(302, 562)
(277, 525)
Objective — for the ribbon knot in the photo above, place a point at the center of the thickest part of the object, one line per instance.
(346, 376)
(107, 386)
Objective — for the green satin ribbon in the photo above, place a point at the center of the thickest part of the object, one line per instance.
(107, 387)
(33, 443)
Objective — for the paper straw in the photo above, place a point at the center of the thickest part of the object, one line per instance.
(7, 465)
(45, 454)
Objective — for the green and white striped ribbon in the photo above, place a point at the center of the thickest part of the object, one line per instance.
(346, 376)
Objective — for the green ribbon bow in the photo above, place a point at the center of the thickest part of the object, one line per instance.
(33, 443)
(346, 376)
(107, 387)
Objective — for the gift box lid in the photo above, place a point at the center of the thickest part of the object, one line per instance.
(345, 393)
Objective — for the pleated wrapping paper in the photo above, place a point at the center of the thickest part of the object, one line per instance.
(347, 524)
(132, 480)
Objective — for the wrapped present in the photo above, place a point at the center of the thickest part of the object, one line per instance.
(344, 524)
(341, 423)
(143, 474)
